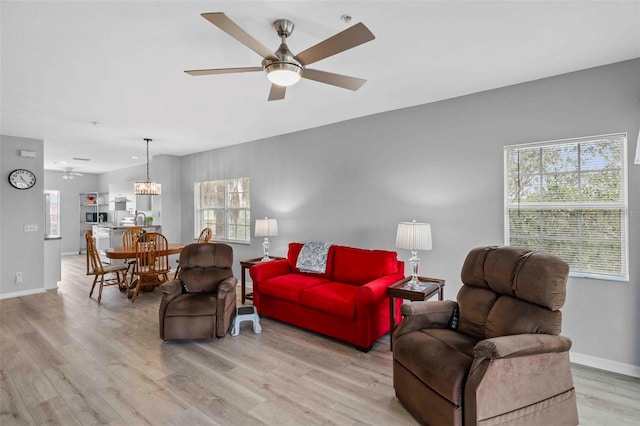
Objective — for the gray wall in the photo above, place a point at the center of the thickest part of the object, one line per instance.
(21, 251)
(352, 182)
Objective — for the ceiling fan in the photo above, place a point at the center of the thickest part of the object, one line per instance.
(283, 68)
(69, 174)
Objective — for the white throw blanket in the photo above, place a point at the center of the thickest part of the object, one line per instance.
(313, 258)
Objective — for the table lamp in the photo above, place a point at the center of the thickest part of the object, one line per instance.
(414, 236)
(266, 228)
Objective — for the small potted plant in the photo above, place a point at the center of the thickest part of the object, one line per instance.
(149, 220)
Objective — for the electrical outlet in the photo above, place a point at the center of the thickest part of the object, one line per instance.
(31, 228)
(18, 277)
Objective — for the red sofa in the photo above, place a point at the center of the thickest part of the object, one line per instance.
(348, 302)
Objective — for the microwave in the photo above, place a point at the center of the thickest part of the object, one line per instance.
(96, 217)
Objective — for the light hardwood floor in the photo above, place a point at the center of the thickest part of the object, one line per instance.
(66, 360)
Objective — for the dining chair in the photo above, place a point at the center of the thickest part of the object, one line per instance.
(116, 273)
(129, 237)
(152, 261)
(205, 236)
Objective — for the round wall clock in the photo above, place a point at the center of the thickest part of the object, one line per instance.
(22, 179)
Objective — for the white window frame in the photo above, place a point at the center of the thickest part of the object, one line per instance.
(199, 218)
(576, 205)
(52, 228)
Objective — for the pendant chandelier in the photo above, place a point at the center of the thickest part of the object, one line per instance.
(147, 187)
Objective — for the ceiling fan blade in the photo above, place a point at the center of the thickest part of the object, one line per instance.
(351, 37)
(277, 92)
(344, 81)
(222, 71)
(221, 21)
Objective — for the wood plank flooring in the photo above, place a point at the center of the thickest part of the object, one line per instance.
(65, 360)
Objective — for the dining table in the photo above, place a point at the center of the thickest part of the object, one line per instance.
(121, 253)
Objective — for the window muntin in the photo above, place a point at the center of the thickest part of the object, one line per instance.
(569, 198)
(224, 206)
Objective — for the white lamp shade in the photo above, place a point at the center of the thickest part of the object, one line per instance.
(413, 236)
(266, 227)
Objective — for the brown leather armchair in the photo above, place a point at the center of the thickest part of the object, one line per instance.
(494, 357)
(201, 302)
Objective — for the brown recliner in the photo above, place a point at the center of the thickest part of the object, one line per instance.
(201, 302)
(494, 357)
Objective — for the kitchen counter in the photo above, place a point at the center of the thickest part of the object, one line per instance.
(112, 226)
(115, 232)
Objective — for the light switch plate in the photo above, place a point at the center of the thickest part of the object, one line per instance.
(31, 228)
(27, 153)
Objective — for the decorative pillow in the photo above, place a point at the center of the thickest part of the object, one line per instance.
(292, 258)
(313, 258)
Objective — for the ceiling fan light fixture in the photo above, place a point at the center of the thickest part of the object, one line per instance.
(283, 73)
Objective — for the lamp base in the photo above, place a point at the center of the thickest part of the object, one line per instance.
(265, 250)
(415, 284)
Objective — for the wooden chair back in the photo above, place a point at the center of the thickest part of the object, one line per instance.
(205, 235)
(129, 237)
(151, 255)
(94, 264)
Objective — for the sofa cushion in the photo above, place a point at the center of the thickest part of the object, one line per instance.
(292, 258)
(332, 297)
(440, 358)
(542, 280)
(360, 266)
(192, 305)
(288, 287)
(473, 268)
(512, 316)
(474, 304)
(203, 280)
(502, 265)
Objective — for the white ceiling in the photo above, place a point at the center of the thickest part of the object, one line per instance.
(120, 64)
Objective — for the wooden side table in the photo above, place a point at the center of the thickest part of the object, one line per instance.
(401, 291)
(246, 264)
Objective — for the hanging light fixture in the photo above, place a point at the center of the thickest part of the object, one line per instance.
(147, 187)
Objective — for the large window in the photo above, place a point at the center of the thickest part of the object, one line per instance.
(223, 205)
(569, 197)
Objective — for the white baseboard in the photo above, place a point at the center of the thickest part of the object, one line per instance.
(605, 364)
(71, 253)
(21, 293)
